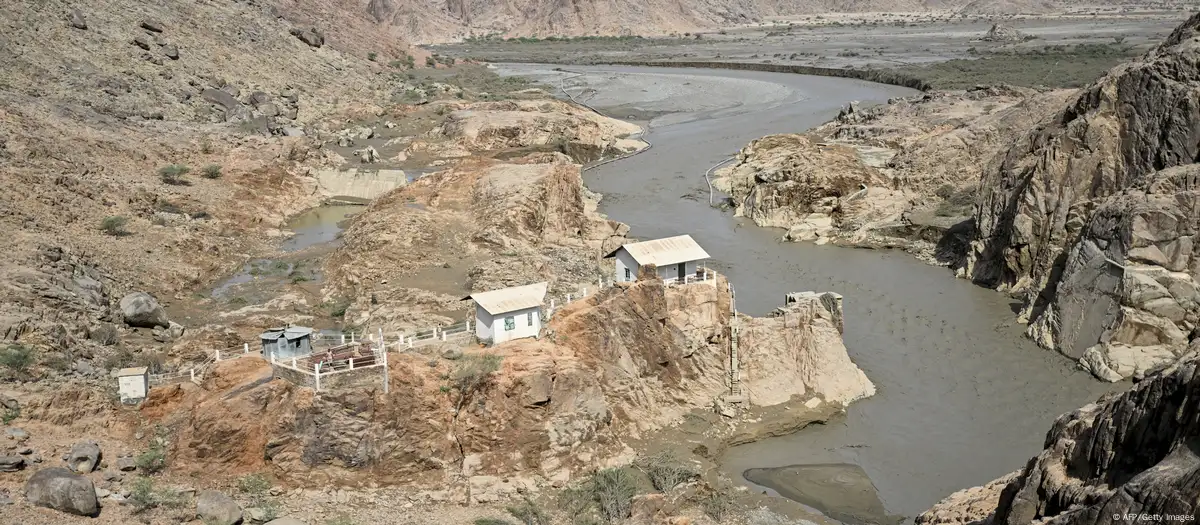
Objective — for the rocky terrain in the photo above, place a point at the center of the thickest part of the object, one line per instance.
(1087, 218)
(1127, 454)
(901, 174)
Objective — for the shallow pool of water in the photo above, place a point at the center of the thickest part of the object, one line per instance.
(319, 225)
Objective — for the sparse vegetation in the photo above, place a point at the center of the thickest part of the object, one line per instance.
(430, 62)
(491, 521)
(472, 374)
(115, 225)
(1066, 66)
(666, 471)
(146, 495)
(16, 358)
(529, 513)
(372, 56)
(211, 171)
(153, 460)
(256, 488)
(717, 504)
(10, 414)
(173, 174)
(605, 497)
(340, 520)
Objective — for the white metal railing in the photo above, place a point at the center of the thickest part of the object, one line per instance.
(338, 360)
(703, 275)
(196, 373)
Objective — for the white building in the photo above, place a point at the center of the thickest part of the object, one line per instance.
(675, 258)
(509, 313)
(133, 384)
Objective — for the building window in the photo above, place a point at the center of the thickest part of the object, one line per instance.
(529, 318)
(627, 274)
(510, 323)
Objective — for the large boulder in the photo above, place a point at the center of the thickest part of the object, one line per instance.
(311, 37)
(140, 309)
(63, 490)
(215, 508)
(84, 457)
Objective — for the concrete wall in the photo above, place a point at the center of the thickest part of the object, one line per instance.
(483, 324)
(133, 388)
(360, 184)
(671, 271)
(522, 327)
(624, 262)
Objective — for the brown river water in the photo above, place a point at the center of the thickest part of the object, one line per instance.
(962, 397)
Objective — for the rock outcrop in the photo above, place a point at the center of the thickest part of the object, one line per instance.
(484, 224)
(216, 508)
(626, 361)
(1003, 33)
(1090, 217)
(1128, 454)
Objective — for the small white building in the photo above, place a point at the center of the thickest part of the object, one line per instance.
(133, 384)
(285, 343)
(675, 257)
(509, 313)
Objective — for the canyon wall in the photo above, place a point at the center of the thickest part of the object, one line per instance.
(1089, 217)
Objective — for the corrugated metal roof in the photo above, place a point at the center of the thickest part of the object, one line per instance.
(512, 299)
(661, 252)
(291, 332)
(124, 372)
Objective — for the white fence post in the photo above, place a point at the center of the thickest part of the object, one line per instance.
(294, 365)
(443, 336)
(351, 337)
(218, 356)
(410, 341)
(351, 363)
(245, 348)
(317, 375)
(385, 373)
(192, 372)
(585, 291)
(568, 298)
(343, 339)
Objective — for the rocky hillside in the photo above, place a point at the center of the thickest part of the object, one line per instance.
(154, 145)
(615, 367)
(1090, 217)
(1127, 454)
(431, 22)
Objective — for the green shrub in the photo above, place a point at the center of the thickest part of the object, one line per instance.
(666, 471)
(16, 358)
(491, 521)
(211, 171)
(529, 513)
(145, 496)
(371, 56)
(430, 62)
(173, 174)
(606, 496)
(114, 225)
(10, 414)
(152, 461)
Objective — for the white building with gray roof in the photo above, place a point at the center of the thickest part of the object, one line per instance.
(509, 313)
(675, 257)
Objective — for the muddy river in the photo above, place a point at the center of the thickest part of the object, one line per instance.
(962, 397)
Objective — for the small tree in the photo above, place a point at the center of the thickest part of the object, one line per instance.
(173, 174)
(114, 225)
(430, 62)
(666, 471)
(529, 513)
(211, 171)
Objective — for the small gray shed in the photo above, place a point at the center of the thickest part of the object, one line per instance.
(286, 343)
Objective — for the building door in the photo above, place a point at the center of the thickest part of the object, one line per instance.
(682, 272)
